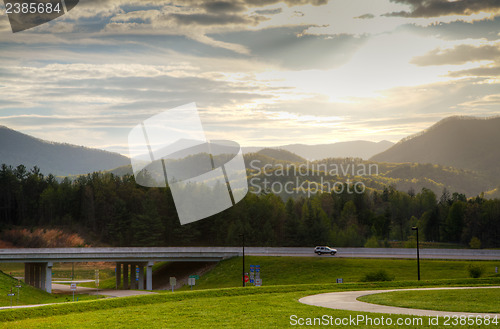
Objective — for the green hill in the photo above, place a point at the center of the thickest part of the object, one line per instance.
(461, 142)
(402, 176)
(27, 295)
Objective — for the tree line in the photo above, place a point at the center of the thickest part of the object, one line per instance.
(114, 210)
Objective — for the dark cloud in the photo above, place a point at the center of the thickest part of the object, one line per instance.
(261, 3)
(436, 8)
(230, 12)
(366, 16)
(289, 48)
(459, 30)
(215, 19)
(269, 11)
(223, 6)
(490, 71)
(458, 55)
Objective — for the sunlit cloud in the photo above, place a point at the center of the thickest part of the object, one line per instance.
(263, 73)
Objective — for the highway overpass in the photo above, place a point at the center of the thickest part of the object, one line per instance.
(38, 261)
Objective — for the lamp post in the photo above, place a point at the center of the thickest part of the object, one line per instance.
(243, 268)
(418, 254)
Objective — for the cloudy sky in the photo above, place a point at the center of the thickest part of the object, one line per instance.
(262, 72)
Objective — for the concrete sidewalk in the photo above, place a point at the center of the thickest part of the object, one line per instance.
(348, 301)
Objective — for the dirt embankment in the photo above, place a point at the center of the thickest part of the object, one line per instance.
(181, 271)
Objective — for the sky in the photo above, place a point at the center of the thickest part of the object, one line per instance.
(262, 72)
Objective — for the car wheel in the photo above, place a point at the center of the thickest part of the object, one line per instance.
(333, 253)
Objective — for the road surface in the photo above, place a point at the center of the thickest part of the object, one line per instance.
(347, 300)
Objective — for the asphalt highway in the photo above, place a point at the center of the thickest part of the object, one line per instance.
(476, 254)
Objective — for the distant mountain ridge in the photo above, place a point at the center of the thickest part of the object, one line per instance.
(58, 159)
(462, 142)
(470, 144)
(351, 149)
(281, 154)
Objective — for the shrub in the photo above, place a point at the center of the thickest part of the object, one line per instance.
(411, 243)
(380, 275)
(372, 243)
(475, 243)
(41, 238)
(475, 271)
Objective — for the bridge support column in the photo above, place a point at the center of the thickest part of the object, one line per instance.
(133, 282)
(32, 274)
(149, 276)
(27, 268)
(125, 276)
(118, 275)
(141, 277)
(37, 275)
(48, 277)
(43, 273)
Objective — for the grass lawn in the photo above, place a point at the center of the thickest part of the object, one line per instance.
(470, 300)
(251, 307)
(31, 295)
(303, 270)
(285, 280)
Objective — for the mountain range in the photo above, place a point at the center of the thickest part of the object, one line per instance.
(457, 153)
(54, 158)
(352, 149)
(461, 142)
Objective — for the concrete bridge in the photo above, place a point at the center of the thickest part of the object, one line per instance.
(38, 261)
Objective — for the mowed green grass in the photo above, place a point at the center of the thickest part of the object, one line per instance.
(250, 307)
(29, 294)
(305, 270)
(469, 300)
(311, 270)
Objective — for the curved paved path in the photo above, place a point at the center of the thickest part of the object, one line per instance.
(347, 300)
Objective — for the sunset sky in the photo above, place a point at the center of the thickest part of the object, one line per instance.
(262, 72)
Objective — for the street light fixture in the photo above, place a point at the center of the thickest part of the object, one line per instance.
(418, 254)
(243, 268)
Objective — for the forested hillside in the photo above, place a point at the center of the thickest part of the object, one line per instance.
(116, 211)
(461, 142)
(323, 174)
(266, 167)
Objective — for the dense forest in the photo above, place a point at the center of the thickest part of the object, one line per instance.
(115, 211)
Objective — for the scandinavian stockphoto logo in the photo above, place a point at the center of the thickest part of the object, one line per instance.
(26, 14)
(205, 177)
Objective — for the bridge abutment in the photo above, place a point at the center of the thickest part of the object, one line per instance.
(39, 275)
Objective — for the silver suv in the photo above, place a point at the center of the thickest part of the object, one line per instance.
(325, 250)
